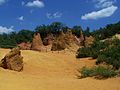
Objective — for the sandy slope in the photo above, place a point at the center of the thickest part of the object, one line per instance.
(52, 71)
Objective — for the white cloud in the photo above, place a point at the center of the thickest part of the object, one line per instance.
(107, 9)
(54, 15)
(2, 1)
(21, 18)
(35, 3)
(104, 3)
(106, 12)
(6, 30)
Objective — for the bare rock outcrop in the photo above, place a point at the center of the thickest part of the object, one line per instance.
(89, 40)
(59, 43)
(80, 40)
(25, 45)
(48, 40)
(81, 36)
(13, 60)
(63, 41)
(37, 43)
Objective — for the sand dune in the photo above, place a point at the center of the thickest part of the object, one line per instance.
(52, 71)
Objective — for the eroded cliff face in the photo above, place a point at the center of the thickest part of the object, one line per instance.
(56, 43)
(65, 40)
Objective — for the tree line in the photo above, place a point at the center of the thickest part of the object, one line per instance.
(12, 39)
(107, 32)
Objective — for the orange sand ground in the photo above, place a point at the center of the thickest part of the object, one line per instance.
(52, 71)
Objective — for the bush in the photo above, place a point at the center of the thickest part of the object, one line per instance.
(102, 72)
(99, 72)
(83, 52)
(110, 56)
(92, 51)
(104, 51)
(85, 72)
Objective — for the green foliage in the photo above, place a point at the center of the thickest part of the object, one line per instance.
(85, 72)
(103, 72)
(8, 40)
(83, 52)
(93, 51)
(105, 52)
(43, 30)
(76, 30)
(111, 55)
(97, 47)
(107, 32)
(55, 28)
(12, 39)
(87, 32)
(24, 36)
(99, 72)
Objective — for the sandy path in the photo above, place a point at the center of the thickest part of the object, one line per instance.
(52, 71)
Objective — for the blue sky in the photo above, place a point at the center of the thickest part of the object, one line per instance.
(27, 14)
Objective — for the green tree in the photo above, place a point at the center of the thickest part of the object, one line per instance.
(87, 32)
(43, 30)
(57, 27)
(107, 32)
(76, 30)
(24, 36)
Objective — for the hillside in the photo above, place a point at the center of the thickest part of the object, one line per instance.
(52, 71)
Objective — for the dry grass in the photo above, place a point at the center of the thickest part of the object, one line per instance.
(52, 71)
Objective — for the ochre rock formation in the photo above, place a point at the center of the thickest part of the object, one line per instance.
(13, 60)
(25, 46)
(48, 40)
(63, 41)
(89, 40)
(37, 43)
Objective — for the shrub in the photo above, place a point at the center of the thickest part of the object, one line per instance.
(110, 56)
(83, 52)
(99, 72)
(92, 51)
(102, 72)
(85, 72)
(104, 51)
